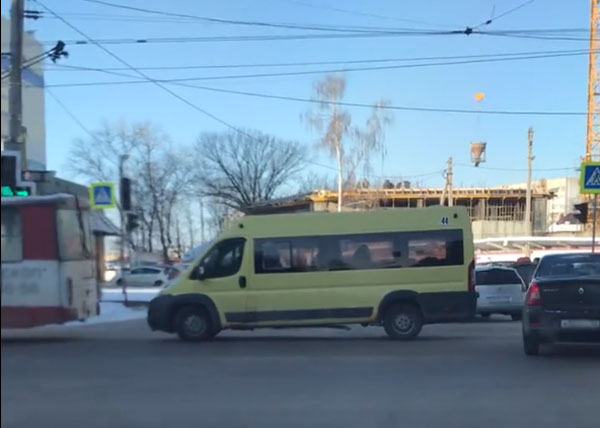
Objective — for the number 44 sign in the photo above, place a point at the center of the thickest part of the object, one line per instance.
(590, 178)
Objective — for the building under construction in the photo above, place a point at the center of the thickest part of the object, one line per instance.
(493, 211)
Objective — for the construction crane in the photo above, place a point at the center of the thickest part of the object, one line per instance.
(592, 142)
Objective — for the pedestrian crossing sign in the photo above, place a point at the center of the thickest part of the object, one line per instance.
(590, 177)
(102, 195)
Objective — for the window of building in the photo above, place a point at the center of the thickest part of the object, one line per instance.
(12, 235)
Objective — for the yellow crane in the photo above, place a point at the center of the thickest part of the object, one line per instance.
(592, 142)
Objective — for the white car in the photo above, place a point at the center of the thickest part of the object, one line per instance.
(500, 291)
(144, 276)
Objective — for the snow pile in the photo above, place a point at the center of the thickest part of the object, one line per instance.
(112, 312)
(134, 295)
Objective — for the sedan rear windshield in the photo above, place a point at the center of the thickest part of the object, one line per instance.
(569, 265)
(497, 277)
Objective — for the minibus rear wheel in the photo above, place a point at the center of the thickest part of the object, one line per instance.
(403, 321)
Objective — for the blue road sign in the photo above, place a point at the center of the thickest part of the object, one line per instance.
(590, 177)
(102, 195)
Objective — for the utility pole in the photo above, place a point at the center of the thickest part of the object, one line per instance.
(447, 192)
(449, 181)
(530, 158)
(15, 108)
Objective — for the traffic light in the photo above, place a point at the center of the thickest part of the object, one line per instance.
(581, 212)
(12, 185)
(9, 171)
(132, 222)
(125, 190)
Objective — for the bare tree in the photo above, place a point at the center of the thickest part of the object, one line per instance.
(164, 177)
(97, 157)
(332, 121)
(161, 174)
(313, 182)
(240, 168)
(335, 126)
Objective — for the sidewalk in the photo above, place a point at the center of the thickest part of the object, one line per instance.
(135, 295)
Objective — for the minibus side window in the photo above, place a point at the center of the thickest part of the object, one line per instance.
(12, 235)
(359, 251)
(224, 259)
(435, 248)
(372, 251)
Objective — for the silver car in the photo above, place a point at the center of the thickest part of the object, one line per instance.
(500, 291)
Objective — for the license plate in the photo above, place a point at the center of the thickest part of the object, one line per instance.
(580, 324)
(496, 299)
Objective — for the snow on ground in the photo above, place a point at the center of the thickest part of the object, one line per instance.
(112, 312)
(136, 295)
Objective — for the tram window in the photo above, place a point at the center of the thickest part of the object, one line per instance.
(12, 235)
(73, 235)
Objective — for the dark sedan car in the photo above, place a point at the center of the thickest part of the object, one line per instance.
(563, 301)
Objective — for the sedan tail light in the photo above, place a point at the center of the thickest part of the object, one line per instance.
(534, 297)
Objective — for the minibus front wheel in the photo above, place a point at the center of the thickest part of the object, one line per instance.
(193, 324)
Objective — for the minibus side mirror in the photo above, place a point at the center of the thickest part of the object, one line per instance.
(199, 273)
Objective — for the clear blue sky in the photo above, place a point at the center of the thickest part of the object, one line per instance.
(417, 143)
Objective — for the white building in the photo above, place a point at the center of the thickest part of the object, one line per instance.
(561, 206)
(33, 98)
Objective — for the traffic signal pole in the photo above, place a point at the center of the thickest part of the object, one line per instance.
(594, 221)
(122, 160)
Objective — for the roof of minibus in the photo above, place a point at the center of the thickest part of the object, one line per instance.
(384, 220)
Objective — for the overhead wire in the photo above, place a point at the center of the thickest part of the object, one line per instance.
(308, 72)
(503, 14)
(358, 105)
(368, 14)
(67, 67)
(292, 26)
(36, 59)
(160, 85)
(70, 113)
(540, 34)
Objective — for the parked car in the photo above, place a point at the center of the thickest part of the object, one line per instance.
(563, 301)
(500, 291)
(144, 276)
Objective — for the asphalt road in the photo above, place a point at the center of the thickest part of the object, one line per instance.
(123, 375)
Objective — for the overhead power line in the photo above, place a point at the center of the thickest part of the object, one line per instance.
(506, 13)
(533, 55)
(351, 32)
(229, 21)
(54, 54)
(70, 114)
(328, 71)
(160, 85)
(356, 105)
(541, 34)
(393, 107)
(253, 38)
(369, 14)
